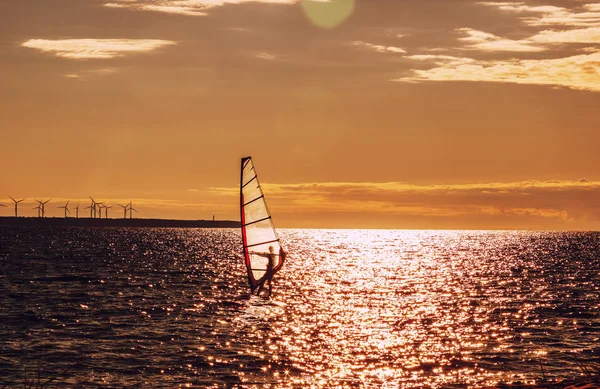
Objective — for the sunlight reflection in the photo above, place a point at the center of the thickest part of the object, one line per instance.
(390, 306)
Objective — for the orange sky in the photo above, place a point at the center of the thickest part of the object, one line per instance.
(358, 114)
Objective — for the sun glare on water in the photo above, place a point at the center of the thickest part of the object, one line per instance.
(419, 307)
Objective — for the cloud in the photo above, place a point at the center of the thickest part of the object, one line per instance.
(479, 40)
(379, 48)
(574, 66)
(172, 9)
(546, 15)
(580, 72)
(265, 56)
(95, 48)
(86, 74)
(592, 7)
(188, 7)
(440, 59)
(541, 41)
(567, 63)
(564, 201)
(586, 35)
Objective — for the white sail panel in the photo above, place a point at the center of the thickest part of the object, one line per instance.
(258, 232)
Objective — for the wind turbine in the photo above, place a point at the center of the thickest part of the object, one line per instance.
(124, 210)
(131, 209)
(43, 206)
(100, 206)
(106, 207)
(77, 211)
(66, 207)
(16, 206)
(39, 209)
(92, 208)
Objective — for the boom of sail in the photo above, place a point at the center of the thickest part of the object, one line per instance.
(258, 231)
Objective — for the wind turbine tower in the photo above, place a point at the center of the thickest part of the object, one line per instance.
(100, 206)
(39, 208)
(16, 206)
(106, 207)
(43, 205)
(124, 210)
(92, 208)
(131, 209)
(66, 207)
(77, 211)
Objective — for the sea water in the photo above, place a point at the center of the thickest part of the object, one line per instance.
(145, 307)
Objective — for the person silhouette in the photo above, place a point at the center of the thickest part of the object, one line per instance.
(271, 263)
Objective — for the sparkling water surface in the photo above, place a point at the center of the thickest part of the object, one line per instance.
(127, 307)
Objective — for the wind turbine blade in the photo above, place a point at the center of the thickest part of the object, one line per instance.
(12, 199)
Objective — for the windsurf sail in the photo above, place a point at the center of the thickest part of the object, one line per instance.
(258, 231)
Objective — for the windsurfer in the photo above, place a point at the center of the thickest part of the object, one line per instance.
(272, 261)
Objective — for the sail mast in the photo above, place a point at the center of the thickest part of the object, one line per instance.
(245, 161)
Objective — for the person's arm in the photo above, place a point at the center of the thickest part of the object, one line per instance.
(260, 254)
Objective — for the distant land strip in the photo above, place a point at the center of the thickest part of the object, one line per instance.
(89, 222)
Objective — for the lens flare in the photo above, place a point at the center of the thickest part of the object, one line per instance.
(328, 13)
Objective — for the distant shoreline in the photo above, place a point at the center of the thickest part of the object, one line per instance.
(11, 221)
